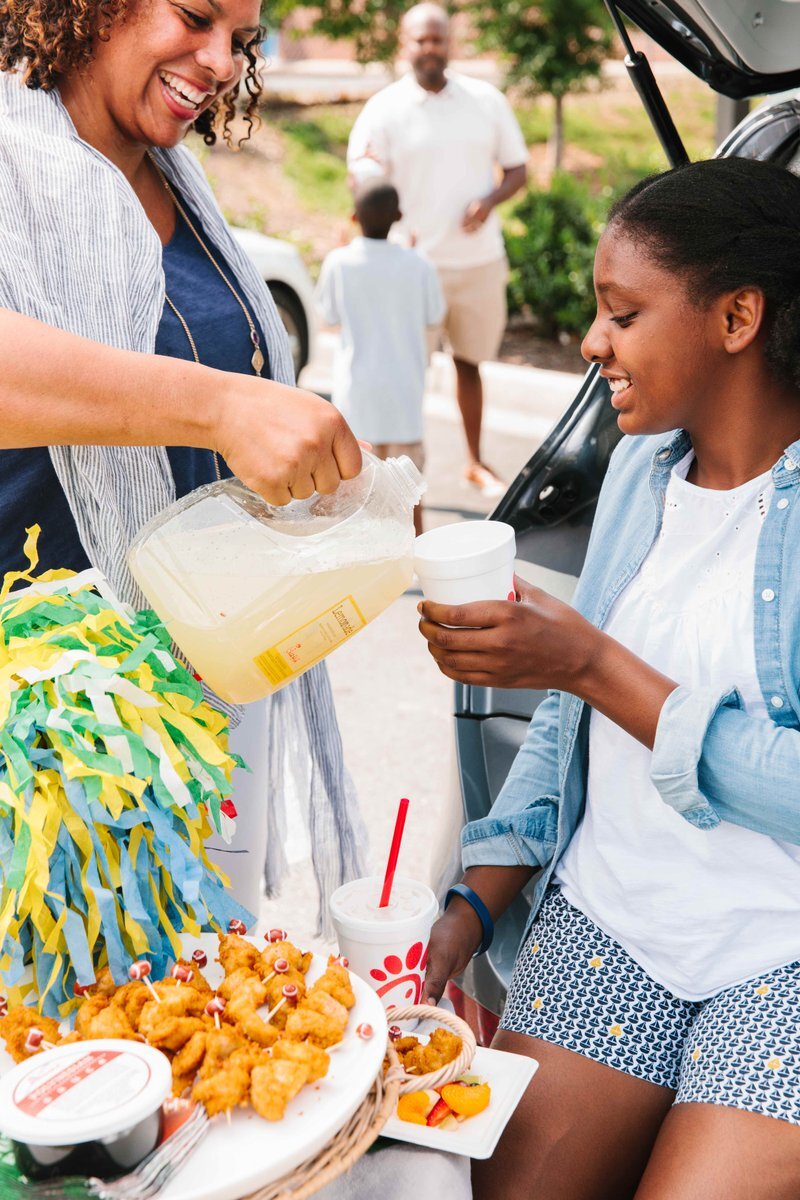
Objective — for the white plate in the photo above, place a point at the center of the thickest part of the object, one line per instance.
(508, 1075)
(234, 1160)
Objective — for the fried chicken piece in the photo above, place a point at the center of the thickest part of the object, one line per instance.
(88, 1012)
(104, 984)
(236, 980)
(274, 1084)
(184, 1001)
(275, 986)
(182, 1084)
(241, 1011)
(336, 982)
(198, 980)
(307, 1025)
(442, 1047)
(298, 960)
(109, 1022)
(305, 1053)
(224, 1090)
(131, 998)
(221, 1044)
(14, 1029)
(166, 1031)
(235, 953)
(189, 1058)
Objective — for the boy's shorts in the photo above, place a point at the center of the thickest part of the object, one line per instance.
(476, 316)
(413, 450)
(575, 987)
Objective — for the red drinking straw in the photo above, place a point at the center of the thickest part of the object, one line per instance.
(394, 853)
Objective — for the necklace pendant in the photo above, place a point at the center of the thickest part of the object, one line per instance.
(257, 361)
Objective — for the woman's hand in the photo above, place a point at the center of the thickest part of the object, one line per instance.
(454, 939)
(283, 442)
(537, 642)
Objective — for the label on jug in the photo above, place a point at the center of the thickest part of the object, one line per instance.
(311, 642)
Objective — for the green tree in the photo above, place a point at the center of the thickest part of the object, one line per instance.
(373, 26)
(550, 48)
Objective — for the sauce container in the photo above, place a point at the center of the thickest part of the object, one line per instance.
(89, 1108)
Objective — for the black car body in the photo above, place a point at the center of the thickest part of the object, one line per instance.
(741, 49)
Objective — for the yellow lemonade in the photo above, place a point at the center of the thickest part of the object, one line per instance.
(250, 618)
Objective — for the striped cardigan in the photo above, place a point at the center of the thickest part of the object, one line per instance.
(78, 252)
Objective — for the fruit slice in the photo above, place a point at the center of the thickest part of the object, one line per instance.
(414, 1107)
(440, 1112)
(467, 1099)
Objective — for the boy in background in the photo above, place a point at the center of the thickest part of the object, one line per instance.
(384, 297)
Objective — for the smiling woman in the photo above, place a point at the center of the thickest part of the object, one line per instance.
(141, 353)
(53, 41)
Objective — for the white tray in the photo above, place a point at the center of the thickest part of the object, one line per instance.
(234, 1160)
(508, 1075)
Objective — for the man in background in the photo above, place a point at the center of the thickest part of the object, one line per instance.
(440, 137)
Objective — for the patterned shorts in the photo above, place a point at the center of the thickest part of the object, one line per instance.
(576, 987)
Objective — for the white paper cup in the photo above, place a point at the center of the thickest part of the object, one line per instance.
(473, 560)
(387, 947)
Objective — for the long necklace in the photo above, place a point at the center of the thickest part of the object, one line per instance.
(257, 359)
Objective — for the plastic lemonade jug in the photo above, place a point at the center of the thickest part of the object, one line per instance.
(255, 594)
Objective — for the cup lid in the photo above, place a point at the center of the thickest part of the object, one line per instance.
(463, 549)
(82, 1092)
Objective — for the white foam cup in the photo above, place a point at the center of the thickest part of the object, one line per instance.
(472, 560)
(387, 947)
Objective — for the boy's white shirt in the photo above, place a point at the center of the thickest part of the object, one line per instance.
(383, 297)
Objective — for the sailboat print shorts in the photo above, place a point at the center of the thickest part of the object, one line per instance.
(574, 986)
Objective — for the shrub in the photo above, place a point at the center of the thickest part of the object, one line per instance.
(550, 240)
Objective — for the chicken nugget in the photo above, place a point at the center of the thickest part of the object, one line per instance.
(166, 1031)
(298, 960)
(274, 1084)
(189, 1058)
(306, 1025)
(235, 953)
(221, 1044)
(183, 1001)
(236, 980)
(131, 998)
(305, 1053)
(336, 982)
(109, 1022)
(89, 1009)
(224, 1090)
(14, 1029)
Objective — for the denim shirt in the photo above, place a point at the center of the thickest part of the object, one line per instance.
(711, 762)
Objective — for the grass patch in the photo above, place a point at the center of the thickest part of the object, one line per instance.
(315, 142)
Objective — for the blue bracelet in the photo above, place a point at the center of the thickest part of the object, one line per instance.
(483, 914)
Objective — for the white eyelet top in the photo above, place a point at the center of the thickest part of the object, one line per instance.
(700, 910)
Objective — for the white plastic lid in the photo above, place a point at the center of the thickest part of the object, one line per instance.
(83, 1092)
(464, 549)
(354, 906)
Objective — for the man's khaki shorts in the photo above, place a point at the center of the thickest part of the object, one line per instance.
(475, 320)
(413, 450)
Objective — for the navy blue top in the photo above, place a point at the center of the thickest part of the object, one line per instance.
(29, 489)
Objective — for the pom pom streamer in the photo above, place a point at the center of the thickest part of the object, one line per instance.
(113, 772)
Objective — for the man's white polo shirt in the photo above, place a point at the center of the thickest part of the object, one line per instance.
(439, 149)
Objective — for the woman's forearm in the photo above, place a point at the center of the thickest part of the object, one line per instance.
(623, 688)
(62, 389)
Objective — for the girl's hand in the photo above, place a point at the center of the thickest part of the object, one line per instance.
(454, 939)
(537, 642)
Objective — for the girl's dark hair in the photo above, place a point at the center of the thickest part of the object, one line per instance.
(720, 225)
(50, 38)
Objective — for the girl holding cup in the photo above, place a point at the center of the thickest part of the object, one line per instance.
(655, 794)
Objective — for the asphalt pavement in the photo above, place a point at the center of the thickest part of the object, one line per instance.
(394, 706)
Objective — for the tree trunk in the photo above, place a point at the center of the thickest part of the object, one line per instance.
(557, 136)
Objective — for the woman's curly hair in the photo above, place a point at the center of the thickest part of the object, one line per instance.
(51, 38)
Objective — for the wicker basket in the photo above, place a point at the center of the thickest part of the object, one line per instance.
(356, 1137)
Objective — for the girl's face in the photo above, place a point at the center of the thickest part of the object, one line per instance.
(166, 62)
(661, 353)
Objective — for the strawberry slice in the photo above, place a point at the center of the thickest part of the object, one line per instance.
(440, 1112)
